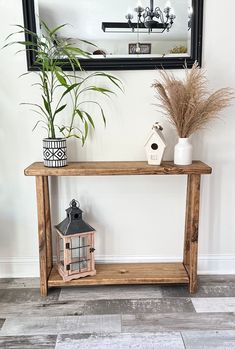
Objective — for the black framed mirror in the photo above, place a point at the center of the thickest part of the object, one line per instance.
(129, 34)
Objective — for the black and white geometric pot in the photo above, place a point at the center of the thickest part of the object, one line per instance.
(54, 152)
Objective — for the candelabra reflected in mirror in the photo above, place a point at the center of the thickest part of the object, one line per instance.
(151, 17)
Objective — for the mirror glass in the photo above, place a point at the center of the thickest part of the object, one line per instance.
(123, 28)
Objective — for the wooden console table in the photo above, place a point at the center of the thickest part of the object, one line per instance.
(114, 274)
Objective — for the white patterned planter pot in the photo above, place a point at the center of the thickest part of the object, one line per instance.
(54, 152)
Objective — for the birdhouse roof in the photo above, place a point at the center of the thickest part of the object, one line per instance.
(156, 133)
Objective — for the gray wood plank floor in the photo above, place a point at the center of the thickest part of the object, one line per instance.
(214, 305)
(209, 339)
(118, 317)
(161, 340)
(28, 342)
(110, 292)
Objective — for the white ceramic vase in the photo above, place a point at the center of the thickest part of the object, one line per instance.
(183, 152)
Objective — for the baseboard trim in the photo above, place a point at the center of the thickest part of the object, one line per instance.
(13, 267)
(17, 267)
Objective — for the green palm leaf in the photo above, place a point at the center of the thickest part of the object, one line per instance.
(53, 55)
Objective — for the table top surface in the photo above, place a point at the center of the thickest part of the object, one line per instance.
(115, 168)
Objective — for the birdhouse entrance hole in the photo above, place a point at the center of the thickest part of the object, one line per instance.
(154, 146)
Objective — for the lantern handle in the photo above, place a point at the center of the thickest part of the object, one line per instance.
(74, 203)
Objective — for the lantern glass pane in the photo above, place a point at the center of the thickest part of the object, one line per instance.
(61, 250)
(79, 266)
(80, 253)
(80, 246)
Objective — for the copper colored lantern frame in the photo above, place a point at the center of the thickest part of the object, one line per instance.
(70, 265)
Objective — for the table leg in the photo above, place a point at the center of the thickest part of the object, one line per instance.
(48, 226)
(191, 230)
(42, 234)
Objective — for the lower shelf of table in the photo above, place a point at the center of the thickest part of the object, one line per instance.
(123, 274)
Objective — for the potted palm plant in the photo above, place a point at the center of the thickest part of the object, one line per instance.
(61, 90)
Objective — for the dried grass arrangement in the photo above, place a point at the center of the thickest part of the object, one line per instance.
(188, 104)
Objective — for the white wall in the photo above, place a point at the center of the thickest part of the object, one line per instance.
(137, 218)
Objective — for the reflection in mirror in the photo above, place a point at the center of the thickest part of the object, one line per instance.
(123, 28)
(128, 34)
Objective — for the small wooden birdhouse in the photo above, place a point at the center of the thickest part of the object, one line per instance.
(75, 245)
(155, 145)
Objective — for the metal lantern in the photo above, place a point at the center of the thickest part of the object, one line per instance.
(75, 245)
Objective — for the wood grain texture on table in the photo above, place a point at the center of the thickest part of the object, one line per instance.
(117, 168)
(127, 273)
